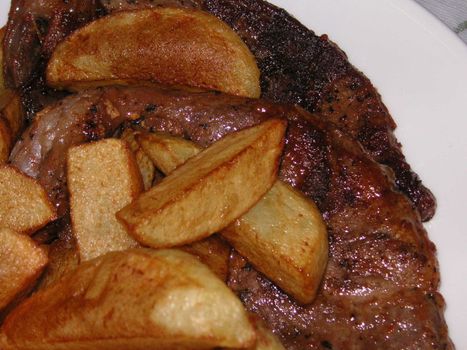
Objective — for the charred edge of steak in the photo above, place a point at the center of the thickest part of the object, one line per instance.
(402, 319)
(300, 67)
(33, 31)
(296, 66)
(378, 247)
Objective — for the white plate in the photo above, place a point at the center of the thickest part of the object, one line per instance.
(420, 69)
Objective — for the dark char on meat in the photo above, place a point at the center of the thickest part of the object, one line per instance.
(380, 287)
(296, 66)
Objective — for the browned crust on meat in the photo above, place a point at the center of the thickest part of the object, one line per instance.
(296, 66)
(300, 67)
(379, 252)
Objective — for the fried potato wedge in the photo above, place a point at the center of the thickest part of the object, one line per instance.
(213, 252)
(102, 178)
(145, 165)
(24, 205)
(63, 258)
(138, 299)
(265, 339)
(283, 235)
(12, 113)
(285, 238)
(5, 141)
(167, 45)
(210, 190)
(11, 122)
(21, 263)
(167, 152)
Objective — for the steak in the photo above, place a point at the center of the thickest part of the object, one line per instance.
(300, 67)
(297, 67)
(380, 286)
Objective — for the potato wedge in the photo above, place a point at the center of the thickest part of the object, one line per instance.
(138, 299)
(24, 205)
(285, 238)
(11, 122)
(5, 141)
(213, 252)
(12, 113)
(283, 235)
(265, 339)
(21, 263)
(102, 178)
(63, 258)
(167, 152)
(167, 45)
(210, 190)
(145, 165)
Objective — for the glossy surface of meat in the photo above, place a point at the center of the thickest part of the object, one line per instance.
(380, 287)
(34, 28)
(300, 67)
(124, 5)
(296, 67)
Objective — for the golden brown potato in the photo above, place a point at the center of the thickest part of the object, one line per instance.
(285, 238)
(213, 252)
(210, 190)
(265, 339)
(11, 122)
(102, 178)
(167, 45)
(145, 165)
(146, 168)
(167, 152)
(12, 113)
(63, 258)
(21, 263)
(138, 299)
(283, 235)
(5, 141)
(24, 206)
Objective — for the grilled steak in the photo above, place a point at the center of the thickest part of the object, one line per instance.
(299, 67)
(296, 66)
(380, 287)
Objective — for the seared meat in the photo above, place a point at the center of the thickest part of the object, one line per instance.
(400, 319)
(380, 287)
(203, 117)
(300, 67)
(34, 28)
(381, 281)
(124, 5)
(296, 67)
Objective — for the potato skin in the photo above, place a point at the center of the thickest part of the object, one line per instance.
(209, 191)
(24, 204)
(21, 263)
(283, 235)
(102, 178)
(136, 299)
(166, 45)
